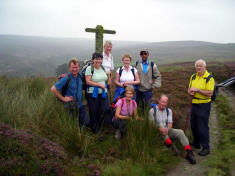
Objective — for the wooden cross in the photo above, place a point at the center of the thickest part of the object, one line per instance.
(99, 31)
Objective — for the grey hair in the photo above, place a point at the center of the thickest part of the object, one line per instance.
(108, 42)
(202, 61)
(163, 95)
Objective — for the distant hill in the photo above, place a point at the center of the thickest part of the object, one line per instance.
(30, 55)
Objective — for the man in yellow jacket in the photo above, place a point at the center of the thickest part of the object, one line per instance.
(201, 88)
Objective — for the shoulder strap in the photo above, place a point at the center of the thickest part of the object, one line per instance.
(133, 72)
(92, 70)
(137, 62)
(167, 111)
(66, 86)
(154, 113)
(120, 72)
(122, 102)
(208, 78)
(103, 68)
(194, 76)
(152, 64)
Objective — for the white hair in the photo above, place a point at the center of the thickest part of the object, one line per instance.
(108, 42)
(202, 61)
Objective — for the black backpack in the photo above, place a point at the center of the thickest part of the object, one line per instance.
(216, 88)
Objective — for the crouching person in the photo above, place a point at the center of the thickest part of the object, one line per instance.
(162, 118)
(126, 108)
(69, 91)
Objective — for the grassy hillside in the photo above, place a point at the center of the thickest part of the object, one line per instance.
(39, 137)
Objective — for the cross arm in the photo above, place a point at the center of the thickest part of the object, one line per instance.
(109, 32)
(90, 30)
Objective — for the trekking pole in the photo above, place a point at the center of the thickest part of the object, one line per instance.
(188, 114)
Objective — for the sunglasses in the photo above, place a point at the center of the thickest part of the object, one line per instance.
(143, 53)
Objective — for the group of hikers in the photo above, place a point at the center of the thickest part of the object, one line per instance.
(134, 88)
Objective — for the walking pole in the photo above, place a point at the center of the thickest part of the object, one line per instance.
(188, 114)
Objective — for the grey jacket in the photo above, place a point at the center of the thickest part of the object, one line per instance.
(146, 80)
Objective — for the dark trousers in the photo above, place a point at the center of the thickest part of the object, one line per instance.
(98, 108)
(143, 99)
(120, 124)
(200, 114)
(78, 112)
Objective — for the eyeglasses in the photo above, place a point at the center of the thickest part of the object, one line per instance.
(143, 53)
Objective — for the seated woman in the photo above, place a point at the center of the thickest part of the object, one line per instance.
(125, 75)
(97, 98)
(126, 107)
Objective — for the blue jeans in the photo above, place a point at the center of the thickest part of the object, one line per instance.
(144, 99)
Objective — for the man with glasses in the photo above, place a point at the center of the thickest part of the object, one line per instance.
(150, 78)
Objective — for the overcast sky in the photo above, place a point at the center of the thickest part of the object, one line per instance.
(133, 20)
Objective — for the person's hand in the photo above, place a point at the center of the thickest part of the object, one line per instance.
(68, 98)
(102, 86)
(193, 90)
(164, 131)
(128, 83)
(139, 118)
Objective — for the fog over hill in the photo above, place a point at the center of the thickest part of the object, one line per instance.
(30, 55)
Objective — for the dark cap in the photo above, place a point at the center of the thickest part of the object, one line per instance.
(144, 51)
(97, 55)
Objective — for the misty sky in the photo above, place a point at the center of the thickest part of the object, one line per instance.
(133, 20)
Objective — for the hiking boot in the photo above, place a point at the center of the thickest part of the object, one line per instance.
(196, 146)
(118, 134)
(190, 157)
(204, 152)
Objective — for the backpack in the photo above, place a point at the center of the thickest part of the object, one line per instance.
(64, 89)
(216, 88)
(120, 72)
(154, 107)
(87, 63)
(152, 64)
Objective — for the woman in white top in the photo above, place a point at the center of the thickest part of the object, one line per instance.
(125, 75)
(108, 60)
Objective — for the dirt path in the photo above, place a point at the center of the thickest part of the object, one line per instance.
(184, 168)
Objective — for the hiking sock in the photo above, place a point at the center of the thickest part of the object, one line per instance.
(187, 147)
(168, 141)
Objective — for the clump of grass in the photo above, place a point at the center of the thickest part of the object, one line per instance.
(220, 162)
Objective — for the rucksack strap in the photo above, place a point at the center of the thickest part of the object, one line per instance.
(154, 106)
(120, 72)
(64, 89)
(92, 69)
(208, 78)
(133, 72)
(152, 65)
